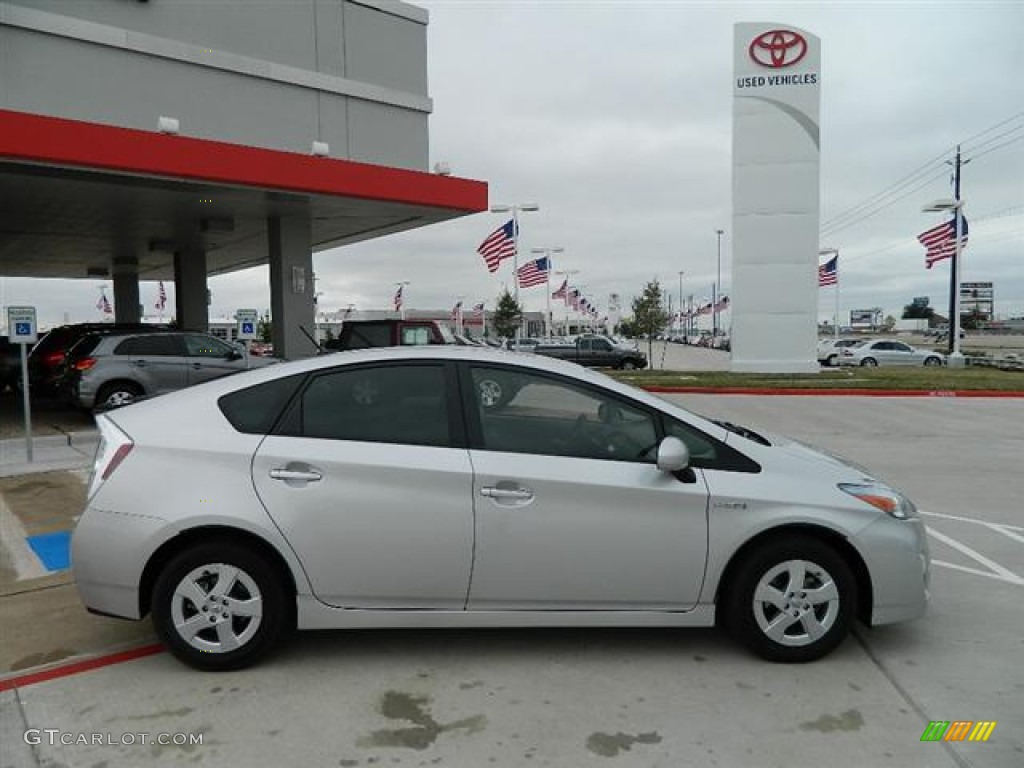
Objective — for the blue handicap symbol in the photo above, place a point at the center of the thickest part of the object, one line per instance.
(247, 328)
(22, 329)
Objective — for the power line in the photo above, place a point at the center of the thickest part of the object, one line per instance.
(881, 206)
(879, 201)
(998, 146)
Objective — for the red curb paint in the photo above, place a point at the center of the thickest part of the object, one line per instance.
(74, 667)
(840, 392)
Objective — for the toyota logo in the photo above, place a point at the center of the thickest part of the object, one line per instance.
(778, 48)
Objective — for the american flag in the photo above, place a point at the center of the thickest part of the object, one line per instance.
(940, 242)
(828, 273)
(398, 298)
(561, 292)
(573, 299)
(500, 244)
(479, 308)
(104, 305)
(722, 304)
(705, 309)
(534, 272)
(161, 297)
(457, 310)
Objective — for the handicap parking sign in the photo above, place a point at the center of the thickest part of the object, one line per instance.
(247, 320)
(22, 324)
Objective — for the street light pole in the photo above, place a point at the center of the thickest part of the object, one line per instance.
(835, 316)
(680, 324)
(718, 286)
(401, 309)
(547, 252)
(568, 273)
(954, 358)
(515, 209)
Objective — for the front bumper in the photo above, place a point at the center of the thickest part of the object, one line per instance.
(898, 560)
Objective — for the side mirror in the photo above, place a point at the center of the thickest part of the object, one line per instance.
(673, 455)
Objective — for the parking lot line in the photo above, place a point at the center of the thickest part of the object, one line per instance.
(996, 571)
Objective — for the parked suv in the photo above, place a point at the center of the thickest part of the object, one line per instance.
(110, 370)
(46, 361)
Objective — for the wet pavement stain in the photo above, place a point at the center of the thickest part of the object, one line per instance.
(850, 720)
(396, 705)
(36, 659)
(610, 744)
(156, 715)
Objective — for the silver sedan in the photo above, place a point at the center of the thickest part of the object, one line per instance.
(460, 486)
(888, 352)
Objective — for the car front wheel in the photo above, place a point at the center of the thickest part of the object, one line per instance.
(220, 606)
(869, 362)
(932, 361)
(792, 600)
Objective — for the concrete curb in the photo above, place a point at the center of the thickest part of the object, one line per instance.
(835, 392)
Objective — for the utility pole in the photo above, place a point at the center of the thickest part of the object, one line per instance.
(954, 277)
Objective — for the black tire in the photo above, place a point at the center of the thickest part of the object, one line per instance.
(773, 565)
(930, 361)
(255, 575)
(832, 361)
(115, 394)
(628, 365)
(869, 362)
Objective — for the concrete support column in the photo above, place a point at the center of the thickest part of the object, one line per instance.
(126, 290)
(190, 294)
(291, 286)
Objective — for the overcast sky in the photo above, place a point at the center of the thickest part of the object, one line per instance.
(615, 117)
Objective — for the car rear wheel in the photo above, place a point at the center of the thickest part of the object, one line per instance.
(869, 362)
(792, 600)
(117, 393)
(220, 606)
(832, 361)
(932, 361)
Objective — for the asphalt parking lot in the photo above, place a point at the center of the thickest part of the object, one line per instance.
(599, 697)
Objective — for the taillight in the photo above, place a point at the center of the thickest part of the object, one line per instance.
(53, 358)
(113, 449)
(84, 364)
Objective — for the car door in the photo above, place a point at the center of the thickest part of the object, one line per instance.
(156, 360)
(368, 478)
(210, 358)
(903, 354)
(570, 511)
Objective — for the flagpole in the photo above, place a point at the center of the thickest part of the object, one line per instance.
(515, 209)
(835, 318)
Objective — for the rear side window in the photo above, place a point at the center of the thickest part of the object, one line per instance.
(415, 336)
(254, 410)
(156, 345)
(84, 346)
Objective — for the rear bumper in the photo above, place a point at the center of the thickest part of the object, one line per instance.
(108, 554)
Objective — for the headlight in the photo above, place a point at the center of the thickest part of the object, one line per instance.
(881, 497)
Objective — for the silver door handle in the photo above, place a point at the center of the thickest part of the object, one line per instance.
(506, 493)
(280, 473)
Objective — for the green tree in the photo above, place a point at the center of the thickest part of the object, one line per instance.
(264, 329)
(507, 315)
(649, 316)
(918, 309)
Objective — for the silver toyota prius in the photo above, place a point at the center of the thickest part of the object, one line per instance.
(464, 486)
